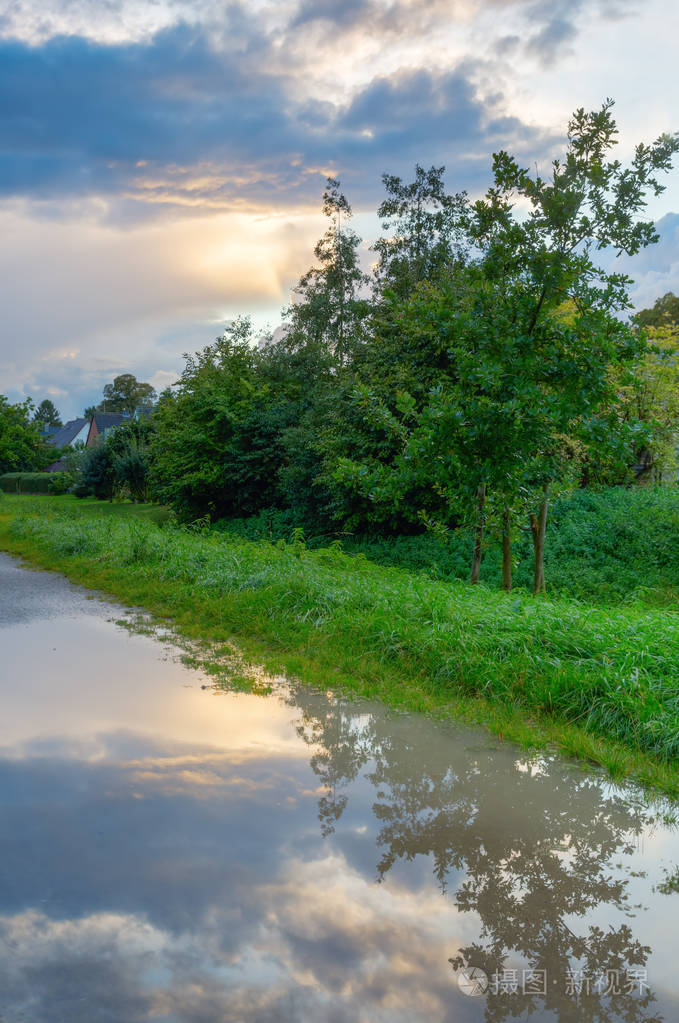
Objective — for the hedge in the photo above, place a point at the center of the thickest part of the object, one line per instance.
(35, 482)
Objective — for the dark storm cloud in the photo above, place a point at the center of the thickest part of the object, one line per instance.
(173, 119)
(77, 114)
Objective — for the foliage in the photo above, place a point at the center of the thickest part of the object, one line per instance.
(119, 464)
(60, 482)
(650, 397)
(46, 414)
(329, 310)
(97, 474)
(72, 457)
(36, 482)
(609, 546)
(518, 385)
(22, 446)
(203, 427)
(125, 394)
(426, 231)
(663, 313)
(25, 482)
(129, 448)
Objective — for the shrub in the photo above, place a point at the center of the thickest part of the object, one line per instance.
(60, 482)
(28, 482)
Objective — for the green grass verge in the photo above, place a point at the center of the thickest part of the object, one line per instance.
(612, 546)
(82, 507)
(598, 684)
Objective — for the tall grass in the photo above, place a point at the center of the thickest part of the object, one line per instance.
(611, 546)
(613, 671)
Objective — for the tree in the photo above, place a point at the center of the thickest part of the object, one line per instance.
(200, 423)
(97, 473)
(129, 448)
(663, 313)
(22, 446)
(649, 397)
(126, 394)
(47, 415)
(426, 231)
(515, 377)
(547, 258)
(329, 311)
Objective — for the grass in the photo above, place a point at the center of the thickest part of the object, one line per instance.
(89, 506)
(611, 547)
(597, 683)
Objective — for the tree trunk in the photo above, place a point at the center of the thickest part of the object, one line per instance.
(478, 534)
(506, 551)
(538, 526)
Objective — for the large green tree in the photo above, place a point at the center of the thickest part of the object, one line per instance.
(425, 225)
(207, 431)
(125, 394)
(515, 378)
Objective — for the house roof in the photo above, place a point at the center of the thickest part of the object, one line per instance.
(67, 434)
(106, 420)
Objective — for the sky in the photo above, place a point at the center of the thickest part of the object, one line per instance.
(162, 161)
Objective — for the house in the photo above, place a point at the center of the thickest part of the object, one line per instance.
(88, 431)
(67, 437)
(103, 423)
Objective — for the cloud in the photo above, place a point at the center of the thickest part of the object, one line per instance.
(552, 39)
(118, 128)
(346, 13)
(174, 122)
(655, 270)
(84, 301)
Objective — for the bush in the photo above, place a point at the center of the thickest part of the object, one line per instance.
(60, 482)
(28, 483)
(97, 474)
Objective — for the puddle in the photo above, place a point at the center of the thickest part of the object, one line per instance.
(177, 852)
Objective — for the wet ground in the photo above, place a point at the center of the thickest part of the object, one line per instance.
(180, 853)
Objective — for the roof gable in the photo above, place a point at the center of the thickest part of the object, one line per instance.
(68, 434)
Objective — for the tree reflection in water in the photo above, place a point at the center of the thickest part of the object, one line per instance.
(531, 847)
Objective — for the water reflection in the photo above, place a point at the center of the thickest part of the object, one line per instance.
(180, 855)
(530, 846)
